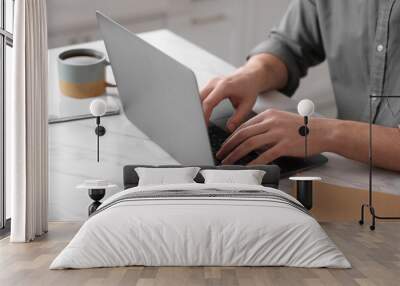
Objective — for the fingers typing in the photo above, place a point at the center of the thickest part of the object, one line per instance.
(268, 156)
(249, 145)
(241, 135)
(212, 100)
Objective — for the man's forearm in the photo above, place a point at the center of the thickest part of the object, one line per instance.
(351, 139)
(269, 72)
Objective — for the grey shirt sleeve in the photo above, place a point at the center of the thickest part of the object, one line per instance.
(296, 41)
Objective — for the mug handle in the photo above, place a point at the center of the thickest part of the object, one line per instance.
(107, 63)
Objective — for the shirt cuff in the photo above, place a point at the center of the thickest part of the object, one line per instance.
(277, 48)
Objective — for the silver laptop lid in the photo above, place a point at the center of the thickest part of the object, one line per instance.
(159, 95)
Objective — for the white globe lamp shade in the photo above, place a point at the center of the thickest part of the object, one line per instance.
(98, 107)
(305, 107)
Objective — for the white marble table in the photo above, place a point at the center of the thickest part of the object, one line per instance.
(72, 145)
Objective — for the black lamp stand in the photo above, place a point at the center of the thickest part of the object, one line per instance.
(305, 193)
(100, 131)
(96, 195)
(304, 131)
(305, 187)
(370, 205)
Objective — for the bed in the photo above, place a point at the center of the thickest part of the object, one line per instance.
(198, 224)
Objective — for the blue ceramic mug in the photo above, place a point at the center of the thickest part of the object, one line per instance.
(82, 73)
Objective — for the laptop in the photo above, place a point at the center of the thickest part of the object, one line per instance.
(161, 97)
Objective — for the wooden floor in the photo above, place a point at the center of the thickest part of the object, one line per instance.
(375, 257)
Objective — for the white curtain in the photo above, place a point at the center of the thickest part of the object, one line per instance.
(26, 123)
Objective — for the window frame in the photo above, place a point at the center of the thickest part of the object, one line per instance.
(6, 39)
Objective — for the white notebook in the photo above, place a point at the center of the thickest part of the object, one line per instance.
(63, 108)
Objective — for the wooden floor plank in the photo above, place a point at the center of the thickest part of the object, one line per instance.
(375, 257)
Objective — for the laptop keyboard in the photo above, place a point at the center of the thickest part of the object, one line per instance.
(217, 138)
(288, 165)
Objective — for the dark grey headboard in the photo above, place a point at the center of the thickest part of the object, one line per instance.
(271, 177)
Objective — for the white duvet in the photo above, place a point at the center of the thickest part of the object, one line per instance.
(202, 232)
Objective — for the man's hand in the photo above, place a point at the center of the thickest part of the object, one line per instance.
(240, 90)
(276, 133)
(261, 73)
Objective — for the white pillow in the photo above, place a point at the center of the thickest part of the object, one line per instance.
(247, 177)
(165, 176)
